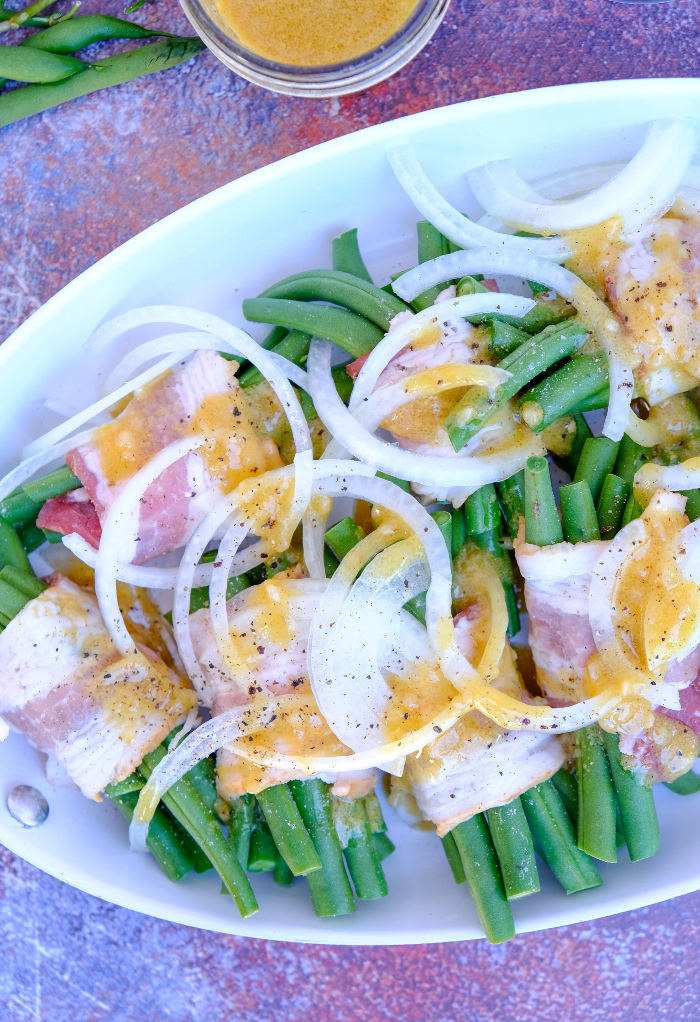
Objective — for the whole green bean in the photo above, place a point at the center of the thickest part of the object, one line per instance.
(287, 826)
(24, 65)
(30, 537)
(640, 823)
(511, 494)
(686, 784)
(551, 826)
(123, 67)
(357, 295)
(11, 549)
(583, 433)
(167, 842)
(597, 460)
(567, 786)
(504, 568)
(542, 525)
(331, 893)
(459, 530)
(240, 827)
(558, 394)
(483, 874)
(52, 485)
(295, 347)
(611, 505)
(81, 31)
(27, 583)
(384, 846)
(343, 536)
(513, 843)
(431, 244)
(416, 605)
(630, 457)
(533, 322)
(19, 508)
(401, 483)
(349, 331)
(356, 840)
(578, 515)
(476, 407)
(601, 399)
(504, 338)
(347, 256)
(632, 510)
(692, 506)
(263, 856)
(453, 857)
(283, 874)
(481, 512)
(330, 562)
(596, 797)
(277, 334)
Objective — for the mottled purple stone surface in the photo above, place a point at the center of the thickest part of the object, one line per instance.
(81, 179)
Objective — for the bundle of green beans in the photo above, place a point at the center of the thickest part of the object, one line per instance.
(44, 60)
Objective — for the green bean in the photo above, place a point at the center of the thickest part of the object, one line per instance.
(578, 516)
(561, 392)
(640, 823)
(357, 295)
(504, 338)
(52, 485)
(199, 597)
(597, 460)
(533, 322)
(347, 257)
(19, 508)
(343, 536)
(481, 512)
(360, 852)
(516, 855)
(168, 843)
(583, 433)
(240, 827)
(277, 334)
(134, 782)
(511, 494)
(331, 893)
(611, 505)
(504, 568)
(470, 286)
(401, 483)
(352, 333)
(686, 784)
(375, 816)
(483, 874)
(551, 825)
(692, 506)
(12, 601)
(290, 835)
(263, 856)
(601, 399)
(79, 32)
(283, 874)
(431, 244)
(596, 797)
(295, 347)
(268, 569)
(122, 67)
(384, 846)
(542, 525)
(28, 584)
(416, 605)
(330, 562)
(4, 621)
(11, 549)
(30, 537)
(459, 530)
(453, 857)
(567, 786)
(477, 407)
(632, 510)
(199, 821)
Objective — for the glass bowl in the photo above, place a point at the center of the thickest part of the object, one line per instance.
(317, 82)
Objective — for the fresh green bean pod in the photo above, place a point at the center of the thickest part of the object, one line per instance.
(52, 485)
(375, 816)
(640, 823)
(383, 845)
(240, 827)
(21, 64)
(481, 512)
(611, 505)
(601, 399)
(343, 536)
(578, 514)
(596, 797)
(542, 525)
(692, 506)
(632, 510)
(347, 256)
(401, 483)
(686, 784)
(567, 786)
(459, 530)
(477, 407)
(199, 597)
(579, 379)
(511, 494)
(167, 842)
(355, 835)
(597, 460)
(431, 244)
(30, 537)
(331, 893)
(26, 583)
(263, 856)
(290, 835)
(295, 347)
(583, 433)
(416, 605)
(81, 31)
(551, 826)
(630, 457)
(513, 843)
(122, 67)
(18, 508)
(453, 857)
(470, 286)
(349, 331)
(283, 874)
(533, 322)
(504, 338)
(483, 874)
(504, 567)
(353, 293)
(11, 550)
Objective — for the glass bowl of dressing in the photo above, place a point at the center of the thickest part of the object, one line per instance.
(315, 48)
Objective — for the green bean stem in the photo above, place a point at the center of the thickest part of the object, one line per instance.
(554, 832)
(360, 852)
(291, 836)
(477, 407)
(596, 797)
(597, 460)
(542, 525)
(347, 256)
(640, 823)
(611, 505)
(533, 322)
(560, 393)
(331, 894)
(513, 843)
(578, 516)
(483, 874)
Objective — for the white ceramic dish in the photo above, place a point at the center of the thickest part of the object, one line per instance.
(210, 255)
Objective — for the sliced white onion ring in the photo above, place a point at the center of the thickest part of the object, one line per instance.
(30, 466)
(461, 231)
(567, 284)
(651, 477)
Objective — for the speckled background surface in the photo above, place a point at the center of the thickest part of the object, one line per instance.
(79, 180)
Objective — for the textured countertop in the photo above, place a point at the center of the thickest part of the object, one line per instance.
(81, 179)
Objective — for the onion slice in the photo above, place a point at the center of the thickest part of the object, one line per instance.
(461, 231)
(30, 466)
(567, 284)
